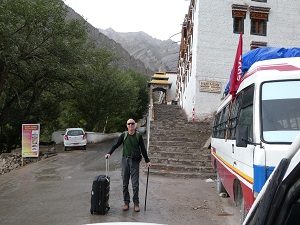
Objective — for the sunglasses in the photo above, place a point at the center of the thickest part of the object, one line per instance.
(130, 123)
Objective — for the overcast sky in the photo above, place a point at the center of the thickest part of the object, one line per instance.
(159, 18)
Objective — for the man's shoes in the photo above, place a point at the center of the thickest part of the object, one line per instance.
(136, 208)
(125, 207)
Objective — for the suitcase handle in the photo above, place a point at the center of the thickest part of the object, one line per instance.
(106, 167)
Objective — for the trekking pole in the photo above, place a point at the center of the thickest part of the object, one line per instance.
(146, 189)
(106, 167)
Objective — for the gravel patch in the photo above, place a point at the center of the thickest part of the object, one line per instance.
(13, 160)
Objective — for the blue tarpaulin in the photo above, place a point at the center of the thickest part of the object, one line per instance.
(260, 54)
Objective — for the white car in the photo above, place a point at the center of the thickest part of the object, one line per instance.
(75, 137)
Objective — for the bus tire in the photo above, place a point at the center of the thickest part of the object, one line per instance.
(220, 186)
(243, 212)
(240, 201)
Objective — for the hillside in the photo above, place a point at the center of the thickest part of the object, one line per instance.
(157, 55)
(124, 60)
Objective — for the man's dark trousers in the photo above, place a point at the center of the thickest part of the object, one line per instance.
(130, 168)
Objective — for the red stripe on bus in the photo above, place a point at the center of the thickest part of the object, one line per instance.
(279, 67)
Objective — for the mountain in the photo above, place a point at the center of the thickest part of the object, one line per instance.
(157, 55)
(124, 60)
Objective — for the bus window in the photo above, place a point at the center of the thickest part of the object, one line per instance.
(233, 117)
(223, 121)
(246, 120)
(220, 122)
(280, 111)
(216, 122)
(242, 113)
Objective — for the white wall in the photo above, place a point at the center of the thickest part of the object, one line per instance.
(172, 91)
(214, 45)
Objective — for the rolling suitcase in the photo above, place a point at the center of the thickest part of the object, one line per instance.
(100, 193)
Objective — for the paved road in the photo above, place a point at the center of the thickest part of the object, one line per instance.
(57, 191)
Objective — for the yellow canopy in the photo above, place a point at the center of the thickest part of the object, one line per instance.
(160, 82)
(160, 77)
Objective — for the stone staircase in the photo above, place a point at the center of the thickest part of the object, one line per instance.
(177, 146)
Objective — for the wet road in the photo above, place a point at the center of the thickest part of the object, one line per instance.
(57, 191)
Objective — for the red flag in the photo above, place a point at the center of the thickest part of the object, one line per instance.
(236, 73)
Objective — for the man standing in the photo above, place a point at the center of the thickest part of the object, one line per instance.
(133, 149)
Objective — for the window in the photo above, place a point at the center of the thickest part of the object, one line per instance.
(220, 122)
(236, 113)
(75, 132)
(215, 127)
(284, 125)
(233, 118)
(238, 25)
(259, 18)
(242, 113)
(239, 112)
(259, 27)
(238, 15)
(223, 123)
(246, 120)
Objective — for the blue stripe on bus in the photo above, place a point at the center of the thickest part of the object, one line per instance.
(261, 174)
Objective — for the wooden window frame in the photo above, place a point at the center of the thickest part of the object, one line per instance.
(258, 27)
(238, 25)
(257, 44)
(259, 17)
(238, 15)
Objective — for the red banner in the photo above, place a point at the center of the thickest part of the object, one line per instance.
(236, 73)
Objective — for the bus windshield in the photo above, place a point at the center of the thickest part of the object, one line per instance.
(280, 111)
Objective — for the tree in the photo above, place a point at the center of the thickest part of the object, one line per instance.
(39, 53)
(108, 97)
(51, 74)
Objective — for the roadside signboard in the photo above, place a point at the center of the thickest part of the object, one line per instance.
(30, 140)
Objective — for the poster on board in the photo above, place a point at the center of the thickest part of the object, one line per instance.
(30, 140)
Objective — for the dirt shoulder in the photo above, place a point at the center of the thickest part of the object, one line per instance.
(13, 160)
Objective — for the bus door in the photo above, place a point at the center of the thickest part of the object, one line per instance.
(242, 120)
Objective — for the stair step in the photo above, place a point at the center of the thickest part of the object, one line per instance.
(176, 143)
(186, 155)
(179, 155)
(182, 174)
(162, 148)
(179, 161)
(172, 138)
(182, 168)
(192, 137)
(170, 126)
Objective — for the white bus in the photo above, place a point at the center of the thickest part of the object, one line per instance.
(252, 132)
(278, 202)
